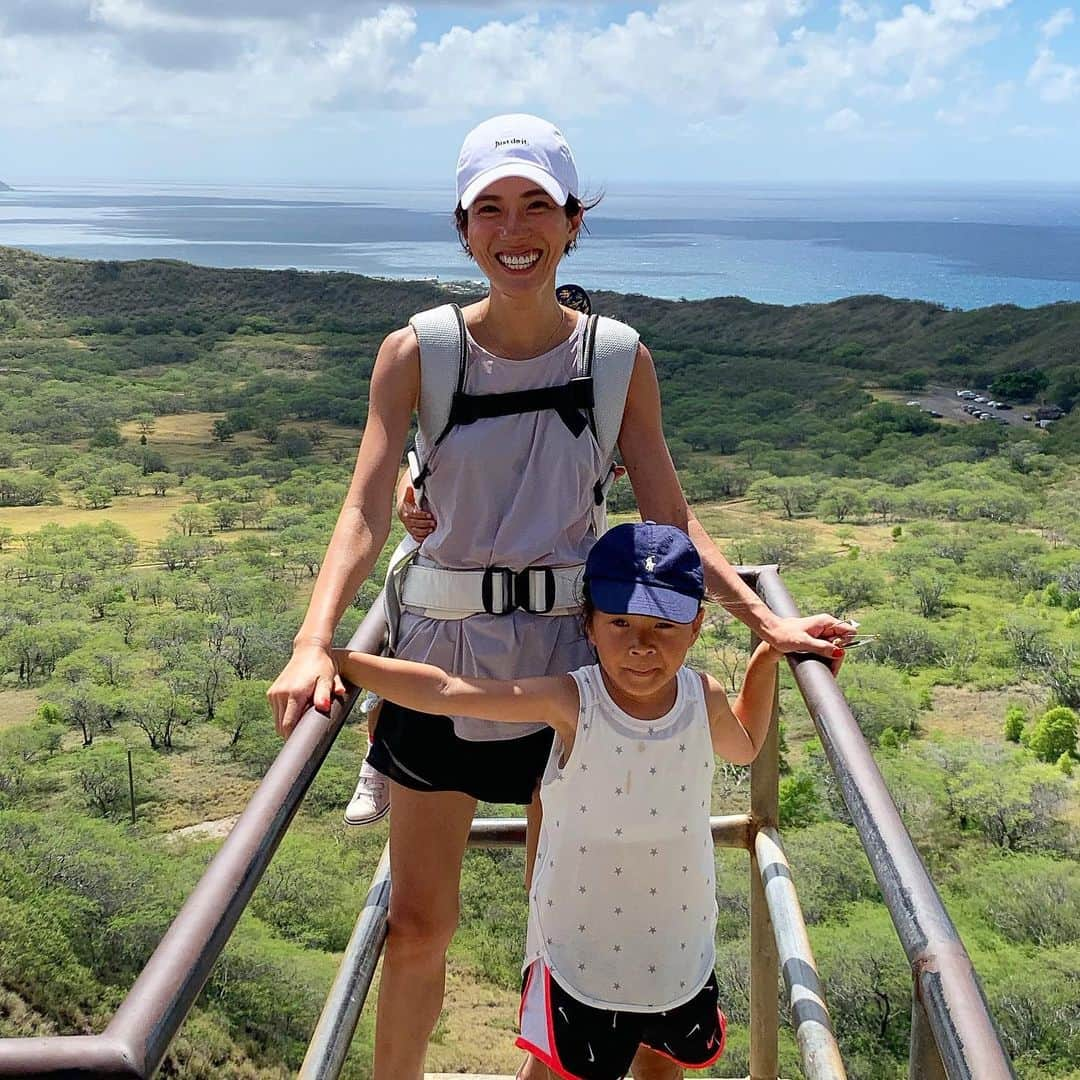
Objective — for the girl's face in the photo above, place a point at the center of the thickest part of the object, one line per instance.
(517, 233)
(640, 656)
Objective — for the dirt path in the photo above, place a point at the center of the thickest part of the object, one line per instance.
(215, 829)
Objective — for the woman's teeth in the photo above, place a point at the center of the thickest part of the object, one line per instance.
(518, 262)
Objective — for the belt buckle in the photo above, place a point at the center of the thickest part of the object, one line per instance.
(523, 589)
(508, 596)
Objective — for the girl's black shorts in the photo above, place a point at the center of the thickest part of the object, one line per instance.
(580, 1042)
(420, 751)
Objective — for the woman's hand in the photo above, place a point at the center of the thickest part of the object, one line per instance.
(822, 634)
(419, 523)
(310, 676)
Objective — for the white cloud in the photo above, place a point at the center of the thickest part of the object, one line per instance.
(246, 61)
(1028, 131)
(853, 12)
(1057, 82)
(974, 105)
(1057, 23)
(844, 121)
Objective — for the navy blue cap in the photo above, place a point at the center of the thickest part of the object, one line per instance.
(646, 569)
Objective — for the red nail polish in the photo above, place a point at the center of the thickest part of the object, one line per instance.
(837, 653)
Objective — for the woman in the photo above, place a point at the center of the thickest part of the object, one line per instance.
(495, 506)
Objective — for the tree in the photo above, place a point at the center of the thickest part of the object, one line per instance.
(878, 699)
(95, 497)
(842, 501)
(145, 423)
(158, 712)
(853, 584)
(1060, 673)
(929, 589)
(242, 707)
(223, 430)
(225, 513)
(108, 435)
(160, 482)
(268, 430)
(1054, 734)
(794, 494)
(193, 519)
(87, 707)
(1023, 384)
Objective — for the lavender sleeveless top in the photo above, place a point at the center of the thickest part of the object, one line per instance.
(511, 491)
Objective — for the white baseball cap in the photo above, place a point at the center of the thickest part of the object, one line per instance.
(516, 144)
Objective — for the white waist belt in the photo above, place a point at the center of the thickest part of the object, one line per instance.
(439, 593)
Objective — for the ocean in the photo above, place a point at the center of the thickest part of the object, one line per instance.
(958, 245)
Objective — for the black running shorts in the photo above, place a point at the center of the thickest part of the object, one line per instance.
(420, 751)
(579, 1042)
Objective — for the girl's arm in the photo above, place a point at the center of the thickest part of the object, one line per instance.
(660, 498)
(738, 730)
(548, 699)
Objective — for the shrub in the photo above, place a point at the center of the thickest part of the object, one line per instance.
(799, 802)
(1053, 735)
(879, 698)
(1015, 719)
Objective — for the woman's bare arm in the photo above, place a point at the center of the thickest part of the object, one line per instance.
(361, 530)
(660, 498)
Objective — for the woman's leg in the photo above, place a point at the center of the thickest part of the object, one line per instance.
(428, 834)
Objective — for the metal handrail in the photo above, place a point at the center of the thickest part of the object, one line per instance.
(952, 1031)
(138, 1036)
(945, 985)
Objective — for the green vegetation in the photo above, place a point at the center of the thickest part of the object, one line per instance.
(174, 446)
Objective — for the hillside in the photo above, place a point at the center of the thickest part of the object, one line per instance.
(174, 445)
(5, 187)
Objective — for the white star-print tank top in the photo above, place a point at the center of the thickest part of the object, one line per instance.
(623, 900)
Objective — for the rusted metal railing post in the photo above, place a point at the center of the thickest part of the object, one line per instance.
(764, 957)
(924, 1061)
(946, 985)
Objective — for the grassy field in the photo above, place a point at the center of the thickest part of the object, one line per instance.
(18, 707)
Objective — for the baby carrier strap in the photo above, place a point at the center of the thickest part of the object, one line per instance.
(610, 349)
(599, 394)
(440, 333)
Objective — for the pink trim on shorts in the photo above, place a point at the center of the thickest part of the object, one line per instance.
(550, 1060)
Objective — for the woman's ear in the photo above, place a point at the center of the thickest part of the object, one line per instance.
(575, 224)
(696, 624)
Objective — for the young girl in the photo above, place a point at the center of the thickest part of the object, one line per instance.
(622, 908)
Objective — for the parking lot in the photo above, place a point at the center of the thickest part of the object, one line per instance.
(943, 399)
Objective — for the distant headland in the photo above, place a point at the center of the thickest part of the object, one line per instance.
(5, 187)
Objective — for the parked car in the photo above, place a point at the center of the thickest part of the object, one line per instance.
(1004, 405)
(917, 404)
(935, 415)
(1028, 416)
(980, 399)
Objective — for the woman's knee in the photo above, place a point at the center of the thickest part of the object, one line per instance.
(421, 930)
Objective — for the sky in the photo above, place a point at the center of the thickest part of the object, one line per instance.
(701, 91)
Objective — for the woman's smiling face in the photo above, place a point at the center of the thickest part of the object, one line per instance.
(517, 234)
